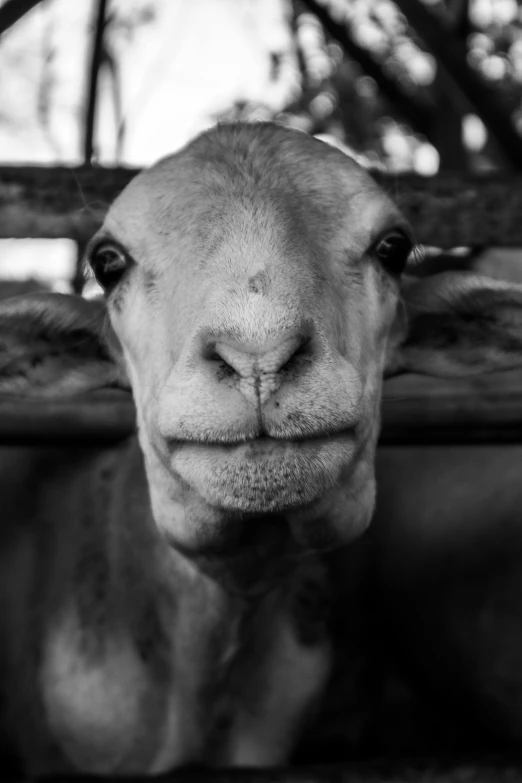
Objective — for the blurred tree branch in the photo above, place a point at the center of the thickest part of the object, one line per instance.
(437, 34)
(459, 10)
(448, 123)
(96, 60)
(301, 64)
(13, 10)
(419, 113)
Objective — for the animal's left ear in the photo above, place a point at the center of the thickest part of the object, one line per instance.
(456, 324)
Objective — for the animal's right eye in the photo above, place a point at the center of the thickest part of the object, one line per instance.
(108, 263)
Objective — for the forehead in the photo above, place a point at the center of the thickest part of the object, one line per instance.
(270, 176)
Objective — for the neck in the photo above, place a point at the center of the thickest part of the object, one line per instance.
(152, 652)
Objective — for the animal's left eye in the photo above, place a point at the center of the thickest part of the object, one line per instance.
(393, 251)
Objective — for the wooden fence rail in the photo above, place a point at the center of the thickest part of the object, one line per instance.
(449, 210)
(415, 410)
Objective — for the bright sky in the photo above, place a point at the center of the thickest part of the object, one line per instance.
(192, 60)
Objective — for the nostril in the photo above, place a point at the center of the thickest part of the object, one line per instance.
(304, 349)
(247, 358)
(213, 356)
(301, 351)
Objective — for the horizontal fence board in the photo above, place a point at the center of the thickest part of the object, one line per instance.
(421, 410)
(452, 210)
(95, 419)
(57, 202)
(448, 210)
(415, 410)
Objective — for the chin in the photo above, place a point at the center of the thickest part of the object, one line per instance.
(264, 476)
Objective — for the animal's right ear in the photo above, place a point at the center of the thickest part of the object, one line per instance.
(456, 324)
(54, 345)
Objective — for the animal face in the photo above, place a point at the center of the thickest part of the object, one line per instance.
(253, 280)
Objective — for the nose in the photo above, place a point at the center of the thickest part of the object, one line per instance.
(257, 365)
(248, 359)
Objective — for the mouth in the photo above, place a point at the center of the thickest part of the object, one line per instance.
(266, 446)
(264, 474)
(265, 440)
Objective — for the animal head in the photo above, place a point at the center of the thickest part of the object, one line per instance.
(253, 287)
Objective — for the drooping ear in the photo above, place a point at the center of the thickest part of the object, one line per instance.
(456, 324)
(53, 345)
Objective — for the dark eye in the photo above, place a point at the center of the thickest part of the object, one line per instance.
(393, 251)
(108, 263)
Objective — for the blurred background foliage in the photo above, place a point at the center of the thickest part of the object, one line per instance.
(358, 72)
(412, 85)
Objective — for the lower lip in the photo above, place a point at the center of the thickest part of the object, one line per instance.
(266, 474)
(338, 449)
